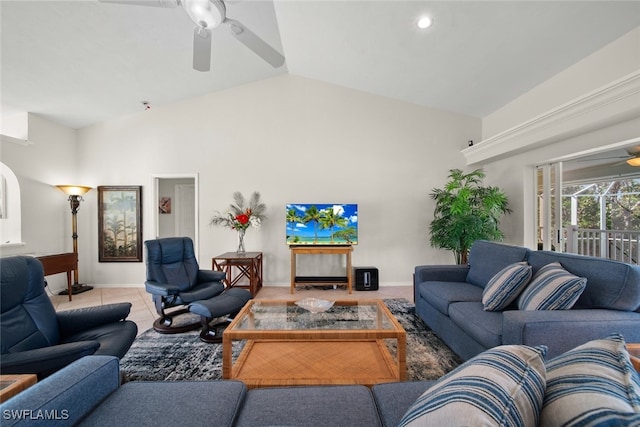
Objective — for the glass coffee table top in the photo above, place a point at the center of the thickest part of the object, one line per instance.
(264, 315)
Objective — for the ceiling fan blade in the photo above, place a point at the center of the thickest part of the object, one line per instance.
(201, 49)
(255, 43)
(154, 3)
(595, 159)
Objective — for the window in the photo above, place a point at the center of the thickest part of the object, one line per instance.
(597, 209)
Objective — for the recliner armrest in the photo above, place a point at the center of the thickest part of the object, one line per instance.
(43, 361)
(440, 273)
(211, 276)
(163, 289)
(73, 321)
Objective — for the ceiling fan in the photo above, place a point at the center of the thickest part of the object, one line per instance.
(632, 159)
(208, 14)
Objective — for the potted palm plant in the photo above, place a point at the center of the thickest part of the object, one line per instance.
(466, 211)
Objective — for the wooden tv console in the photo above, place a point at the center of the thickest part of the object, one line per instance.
(345, 250)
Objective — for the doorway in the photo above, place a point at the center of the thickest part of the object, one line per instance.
(176, 214)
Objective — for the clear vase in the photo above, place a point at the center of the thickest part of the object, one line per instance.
(240, 250)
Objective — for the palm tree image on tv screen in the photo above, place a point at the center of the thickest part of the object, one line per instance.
(322, 224)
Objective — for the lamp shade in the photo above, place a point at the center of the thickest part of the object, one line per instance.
(634, 161)
(73, 190)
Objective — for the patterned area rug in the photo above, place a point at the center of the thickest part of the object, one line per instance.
(158, 357)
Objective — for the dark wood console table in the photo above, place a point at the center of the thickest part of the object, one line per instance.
(238, 266)
(316, 250)
(60, 263)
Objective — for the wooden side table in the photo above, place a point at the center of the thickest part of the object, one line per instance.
(10, 385)
(61, 263)
(240, 266)
(317, 250)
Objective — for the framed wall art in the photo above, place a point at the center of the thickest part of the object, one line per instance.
(120, 223)
(164, 205)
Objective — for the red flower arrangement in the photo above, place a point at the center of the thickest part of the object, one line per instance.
(240, 218)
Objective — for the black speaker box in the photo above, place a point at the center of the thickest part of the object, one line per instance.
(366, 278)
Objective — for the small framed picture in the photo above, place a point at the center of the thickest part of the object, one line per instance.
(164, 205)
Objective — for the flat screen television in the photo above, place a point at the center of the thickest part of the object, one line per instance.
(322, 224)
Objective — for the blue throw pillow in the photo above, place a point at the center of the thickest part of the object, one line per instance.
(505, 286)
(552, 288)
(501, 386)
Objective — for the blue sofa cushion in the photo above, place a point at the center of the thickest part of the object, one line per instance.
(505, 286)
(441, 294)
(552, 288)
(611, 284)
(502, 386)
(349, 405)
(595, 375)
(485, 327)
(394, 399)
(486, 259)
(170, 403)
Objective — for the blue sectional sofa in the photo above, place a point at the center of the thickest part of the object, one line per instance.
(448, 298)
(524, 388)
(88, 393)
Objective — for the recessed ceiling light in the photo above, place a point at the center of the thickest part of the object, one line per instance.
(424, 22)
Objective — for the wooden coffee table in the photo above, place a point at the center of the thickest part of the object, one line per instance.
(10, 385)
(351, 343)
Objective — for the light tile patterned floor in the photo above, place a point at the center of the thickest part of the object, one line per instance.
(144, 313)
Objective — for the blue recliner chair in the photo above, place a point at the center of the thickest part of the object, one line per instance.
(35, 339)
(174, 279)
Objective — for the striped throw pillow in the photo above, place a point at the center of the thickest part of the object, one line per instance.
(606, 418)
(501, 386)
(596, 375)
(505, 286)
(552, 288)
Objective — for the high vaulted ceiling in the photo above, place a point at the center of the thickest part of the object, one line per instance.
(81, 62)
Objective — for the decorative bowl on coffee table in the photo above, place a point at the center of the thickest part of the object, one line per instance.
(315, 305)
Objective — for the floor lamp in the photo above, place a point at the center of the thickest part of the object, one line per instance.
(75, 193)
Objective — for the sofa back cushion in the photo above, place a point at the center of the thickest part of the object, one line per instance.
(610, 284)
(27, 318)
(486, 259)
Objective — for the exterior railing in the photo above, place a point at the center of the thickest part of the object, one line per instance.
(620, 245)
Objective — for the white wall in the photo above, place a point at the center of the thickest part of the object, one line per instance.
(46, 214)
(294, 140)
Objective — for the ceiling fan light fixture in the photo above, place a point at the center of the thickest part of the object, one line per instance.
(205, 13)
(634, 161)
